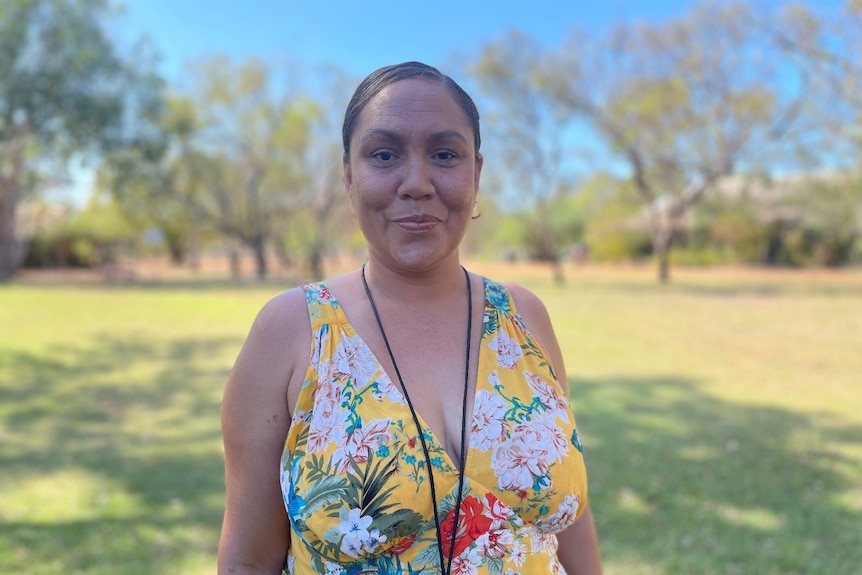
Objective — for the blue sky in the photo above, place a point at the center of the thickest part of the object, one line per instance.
(362, 36)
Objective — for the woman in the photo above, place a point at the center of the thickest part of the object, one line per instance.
(409, 396)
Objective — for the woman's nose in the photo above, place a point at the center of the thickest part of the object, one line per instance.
(416, 181)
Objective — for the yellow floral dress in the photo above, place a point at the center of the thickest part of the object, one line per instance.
(355, 480)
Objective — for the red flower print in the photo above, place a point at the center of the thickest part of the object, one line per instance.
(471, 525)
(402, 544)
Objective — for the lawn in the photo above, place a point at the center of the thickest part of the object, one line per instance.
(722, 418)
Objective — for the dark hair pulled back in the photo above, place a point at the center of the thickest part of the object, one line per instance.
(388, 75)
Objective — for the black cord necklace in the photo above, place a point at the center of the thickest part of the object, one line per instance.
(446, 569)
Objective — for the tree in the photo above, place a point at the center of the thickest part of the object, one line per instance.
(681, 105)
(64, 89)
(685, 105)
(529, 139)
(252, 135)
(156, 181)
(322, 213)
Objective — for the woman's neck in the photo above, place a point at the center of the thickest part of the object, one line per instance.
(406, 287)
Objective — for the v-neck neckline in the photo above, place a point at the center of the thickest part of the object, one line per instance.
(352, 332)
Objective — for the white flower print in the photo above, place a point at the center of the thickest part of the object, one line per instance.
(298, 417)
(508, 350)
(375, 538)
(520, 459)
(548, 396)
(550, 437)
(327, 398)
(354, 359)
(518, 553)
(498, 511)
(351, 545)
(357, 540)
(333, 568)
(564, 516)
(489, 426)
(321, 337)
(361, 443)
(325, 429)
(542, 542)
(466, 564)
(387, 390)
(494, 544)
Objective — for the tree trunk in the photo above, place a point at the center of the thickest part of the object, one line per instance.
(10, 247)
(315, 262)
(559, 273)
(235, 263)
(661, 246)
(259, 248)
(11, 176)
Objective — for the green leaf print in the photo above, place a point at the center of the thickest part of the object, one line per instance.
(326, 491)
(368, 484)
(402, 523)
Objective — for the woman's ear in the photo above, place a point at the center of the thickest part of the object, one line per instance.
(347, 176)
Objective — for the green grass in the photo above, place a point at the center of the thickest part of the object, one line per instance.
(722, 417)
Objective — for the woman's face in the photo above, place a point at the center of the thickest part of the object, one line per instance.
(412, 175)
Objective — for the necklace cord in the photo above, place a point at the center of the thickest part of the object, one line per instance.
(445, 569)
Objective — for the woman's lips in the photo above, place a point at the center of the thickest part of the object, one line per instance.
(417, 223)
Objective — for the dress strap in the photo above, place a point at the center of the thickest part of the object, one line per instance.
(323, 308)
(498, 299)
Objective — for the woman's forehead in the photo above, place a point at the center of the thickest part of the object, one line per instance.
(413, 103)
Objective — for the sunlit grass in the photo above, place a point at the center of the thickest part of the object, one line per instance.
(722, 417)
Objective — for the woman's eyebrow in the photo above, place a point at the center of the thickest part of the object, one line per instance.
(449, 134)
(383, 134)
(396, 137)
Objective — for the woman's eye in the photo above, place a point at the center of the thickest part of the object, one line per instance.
(445, 155)
(383, 156)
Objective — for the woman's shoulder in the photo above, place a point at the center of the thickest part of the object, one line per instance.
(290, 308)
(282, 313)
(528, 305)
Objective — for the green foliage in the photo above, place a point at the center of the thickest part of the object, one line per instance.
(255, 131)
(95, 235)
(65, 88)
(100, 232)
(727, 228)
(830, 222)
(61, 79)
(615, 230)
(552, 227)
(157, 182)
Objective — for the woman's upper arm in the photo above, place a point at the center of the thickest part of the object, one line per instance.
(536, 318)
(255, 421)
(578, 550)
(579, 547)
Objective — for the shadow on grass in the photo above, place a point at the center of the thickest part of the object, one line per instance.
(715, 288)
(203, 284)
(682, 482)
(138, 420)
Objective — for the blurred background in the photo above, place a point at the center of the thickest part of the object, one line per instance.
(680, 181)
(700, 134)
